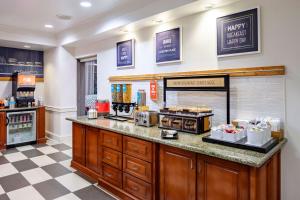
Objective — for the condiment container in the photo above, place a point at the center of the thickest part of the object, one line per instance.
(12, 103)
(256, 136)
(216, 133)
(119, 93)
(92, 114)
(114, 93)
(141, 98)
(231, 137)
(127, 93)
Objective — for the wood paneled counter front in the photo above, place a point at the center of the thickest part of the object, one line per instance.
(133, 162)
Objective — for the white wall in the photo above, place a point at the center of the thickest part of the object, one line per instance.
(280, 41)
(60, 91)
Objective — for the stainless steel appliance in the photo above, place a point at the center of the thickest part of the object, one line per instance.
(146, 118)
(21, 127)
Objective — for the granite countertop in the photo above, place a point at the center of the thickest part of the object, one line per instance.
(185, 141)
(18, 109)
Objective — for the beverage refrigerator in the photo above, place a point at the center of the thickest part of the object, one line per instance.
(21, 128)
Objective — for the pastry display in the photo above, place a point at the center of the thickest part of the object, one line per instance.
(176, 124)
(190, 124)
(194, 120)
(166, 121)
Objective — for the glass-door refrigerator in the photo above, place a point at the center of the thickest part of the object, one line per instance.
(21, 128)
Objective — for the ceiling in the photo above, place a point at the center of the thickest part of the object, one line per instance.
(34, 14)
(22, 21)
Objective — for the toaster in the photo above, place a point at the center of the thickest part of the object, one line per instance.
(146, 118)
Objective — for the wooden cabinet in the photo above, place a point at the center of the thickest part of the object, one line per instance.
(91, 153)
(40, 125)
(137, 187)
(112, 158)
(111, 140)
(2, 130)
(138, 168)
(112, 175)
(218, 180)
(79, 143)
(177, 174)
(138, 148)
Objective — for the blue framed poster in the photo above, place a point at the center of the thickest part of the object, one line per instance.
(125, 53)
(168, 46)
(239, 33)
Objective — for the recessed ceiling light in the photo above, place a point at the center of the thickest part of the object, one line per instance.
(209, 6)
(85, 4)
(48, 26)
(27, 46)
(64, 17)
(158, 21)
(124, 31)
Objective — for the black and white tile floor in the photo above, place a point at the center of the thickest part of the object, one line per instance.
(39, 172)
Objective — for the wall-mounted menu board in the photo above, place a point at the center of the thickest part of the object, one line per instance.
(238, 33)
(20, 60)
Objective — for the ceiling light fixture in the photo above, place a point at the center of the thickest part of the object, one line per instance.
(158, 21)
(124, 31)
(209, 6)
(27, 46)
(85, 4)
(64, 17)
(48, 26)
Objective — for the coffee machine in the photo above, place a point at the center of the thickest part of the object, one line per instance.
(23, 87)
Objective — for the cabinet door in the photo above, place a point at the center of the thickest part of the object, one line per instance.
(79, 143)
(91, 148)
(177, 174)
(219, 180)
(2, 130)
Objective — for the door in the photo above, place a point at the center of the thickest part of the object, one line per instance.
(79, 143)
(92, 148)
(219, 179)
(3, 123)
(177, 174)
(86, 84)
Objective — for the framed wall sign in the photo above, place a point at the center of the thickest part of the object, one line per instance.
(125, 54)
(239, 33)
(168, 46)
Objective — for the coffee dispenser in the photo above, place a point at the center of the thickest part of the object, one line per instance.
(23, 87)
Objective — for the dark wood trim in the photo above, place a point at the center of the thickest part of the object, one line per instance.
(115, 190)
(233, 72)
(2, 130)
(85, 170)
(40, 125)
(10, 79)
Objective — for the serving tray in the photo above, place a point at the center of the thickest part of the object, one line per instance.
(242, 144)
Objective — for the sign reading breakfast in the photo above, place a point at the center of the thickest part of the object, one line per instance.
(238, 33)
(196, 82)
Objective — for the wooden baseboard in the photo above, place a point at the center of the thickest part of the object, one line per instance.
(41, 141)
(233, 72)
(93, 175)
(115, 190)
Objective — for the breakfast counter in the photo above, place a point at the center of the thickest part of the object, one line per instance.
(185, 141)
(134, 162)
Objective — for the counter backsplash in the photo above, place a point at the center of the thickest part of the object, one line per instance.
(250, 98)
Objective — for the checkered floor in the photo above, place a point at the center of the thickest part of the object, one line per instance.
(37, 172)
